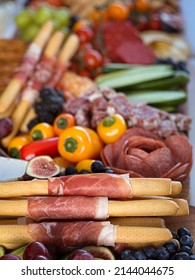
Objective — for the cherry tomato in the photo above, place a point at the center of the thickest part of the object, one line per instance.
(93, 59)
(118, 11)
(142, 23)
(155, 22)
(142, 5)
(99, 15)
(85, 34)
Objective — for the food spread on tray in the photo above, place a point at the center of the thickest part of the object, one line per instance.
(90, 98)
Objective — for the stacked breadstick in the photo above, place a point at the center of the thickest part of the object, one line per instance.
(96, 209)
(44, 64)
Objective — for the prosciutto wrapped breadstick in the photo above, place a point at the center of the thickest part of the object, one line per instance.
(81, 233)
(41, 75)
(109, 185)
(62, 63)
(82, 207)
(26, 68)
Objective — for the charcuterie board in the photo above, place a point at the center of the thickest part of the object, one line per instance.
(93, 113)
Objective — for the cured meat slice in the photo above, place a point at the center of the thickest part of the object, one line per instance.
(122, 42)
(68, 207)
(109, 185)
(144, 154)
(74, 234)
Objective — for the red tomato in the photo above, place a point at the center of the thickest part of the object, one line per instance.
(85, 34)
(93, 59)
(155, 22)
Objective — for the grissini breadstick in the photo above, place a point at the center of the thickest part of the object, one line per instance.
(110, 185)
(138, 221)
(81, 233)
(43, 208)
(41, 75)
(67, 52)
(31, 114)
(26, 68)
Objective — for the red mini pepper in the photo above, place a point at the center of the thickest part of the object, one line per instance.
(47, 146)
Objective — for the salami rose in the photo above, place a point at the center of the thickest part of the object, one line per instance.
(145, 154)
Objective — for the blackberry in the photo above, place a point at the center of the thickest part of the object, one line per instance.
(162, 253)
(182, 256)
(127, 255)
(150, 252)
(46, 92)
(97, 167)
(46, 117)
(39, 107)
(32, 123)
(175, 236)
(139, 255)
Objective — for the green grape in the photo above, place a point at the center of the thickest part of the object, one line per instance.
(43, 14)
(62, 15)
(56, 24)
(29, 33)
(24, 18)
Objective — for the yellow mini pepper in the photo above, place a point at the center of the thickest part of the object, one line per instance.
(16, 144)
(111, 128)
(42, 130)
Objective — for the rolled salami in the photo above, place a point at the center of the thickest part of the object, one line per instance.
(97, 184)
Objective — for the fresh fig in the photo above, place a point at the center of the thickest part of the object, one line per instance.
(42, 167)
(100, 252)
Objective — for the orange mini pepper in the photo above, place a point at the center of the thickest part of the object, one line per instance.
(77, 143)
(62, 122)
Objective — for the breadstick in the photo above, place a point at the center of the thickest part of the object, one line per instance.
(31, 114)
(138, 221)
(26, 69)
(76, 234)
(67, 52)
(183, 207)
(41, 208)
(38, 79)
(145, 207)
(140, 187)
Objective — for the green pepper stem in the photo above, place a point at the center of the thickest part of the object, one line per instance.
(70, 145)
(108, 121)
(62, 123)
(37, 135)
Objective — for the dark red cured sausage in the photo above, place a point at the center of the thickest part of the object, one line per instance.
(73, 234)
(109, 185)
(67, 207)
(122, 43)
(144, 154)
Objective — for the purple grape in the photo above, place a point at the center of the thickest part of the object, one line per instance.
(10, 257)
(80, 254)
(34, 249)
(6, 127)
(40, 257)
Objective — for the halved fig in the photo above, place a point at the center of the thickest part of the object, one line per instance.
(42, 167)
(100, 252)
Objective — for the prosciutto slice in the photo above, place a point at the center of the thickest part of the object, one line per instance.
(106, 185)
(74, 234)
(68, 207)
